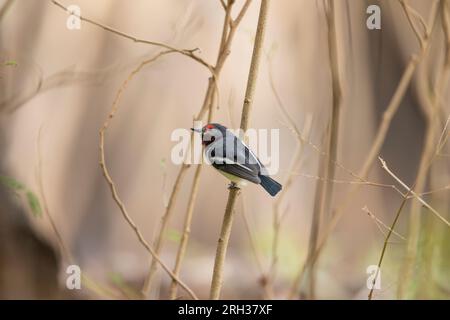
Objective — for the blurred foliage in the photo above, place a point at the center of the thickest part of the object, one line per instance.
(20, 189)
(10, 63)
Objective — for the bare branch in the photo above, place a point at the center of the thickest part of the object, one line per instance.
(111, 183)
(224, 6)
(386, 241)
(241, 14)
(423, 202)
(186, 52)
(411, 14)
(210, 97)
(216, 283)
(377, 144)
(379, 222)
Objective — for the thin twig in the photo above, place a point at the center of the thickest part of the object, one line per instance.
(186, 52)
(211, 96)
(447, 187)
(379, 222)
(224, 6)
(374, 151)
(410, 14)
(443, 137)
(264, 278)
(324, 191)
(241, 14)
(423, 202)
(110, 181)
(386, 241)
(430, 100)
(186, 232)
(367, 183)
(222, 245)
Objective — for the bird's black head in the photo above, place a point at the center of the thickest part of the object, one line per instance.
(211, 132)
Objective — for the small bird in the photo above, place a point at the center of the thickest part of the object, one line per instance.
(228, 154)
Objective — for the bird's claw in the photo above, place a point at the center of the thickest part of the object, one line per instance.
(233, 185)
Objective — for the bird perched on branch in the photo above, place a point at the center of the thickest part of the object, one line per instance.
(228, 154)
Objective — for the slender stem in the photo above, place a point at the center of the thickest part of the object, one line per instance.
(324, 193)
(423, 202)
(222, 244)
(163, 228)
(373, 153)
(430, 104)
(228, 32)
(112, 185)
(386, 241)
(217, 278)
(186, 231)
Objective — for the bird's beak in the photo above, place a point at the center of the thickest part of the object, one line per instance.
(196, 130)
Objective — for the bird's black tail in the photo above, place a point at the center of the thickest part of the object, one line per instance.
(271, 186)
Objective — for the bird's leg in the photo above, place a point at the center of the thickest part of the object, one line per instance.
(233, 185)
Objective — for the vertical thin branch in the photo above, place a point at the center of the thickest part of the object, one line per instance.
(216, 284)
(188, 217)
(158, 243)
(173, 197)
(386, 241)
(263, 278)
(186, 232)
(431, 113)
(228, 32)
(374, 151)
(324, 192)
(222, 245)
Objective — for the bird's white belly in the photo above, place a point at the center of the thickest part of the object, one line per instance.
(232, 178)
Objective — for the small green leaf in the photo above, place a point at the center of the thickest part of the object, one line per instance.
(174, 235)
(11, 183)
(34, 204)
(163, 164)
(11, 63)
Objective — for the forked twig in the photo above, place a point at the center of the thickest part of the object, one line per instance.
(409, 190)
(379, 222)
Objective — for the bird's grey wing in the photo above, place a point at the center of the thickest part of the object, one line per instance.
(245, 171)
(233, 157)
(250, 158)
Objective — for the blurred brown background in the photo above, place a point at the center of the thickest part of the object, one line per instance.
(61, 88)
